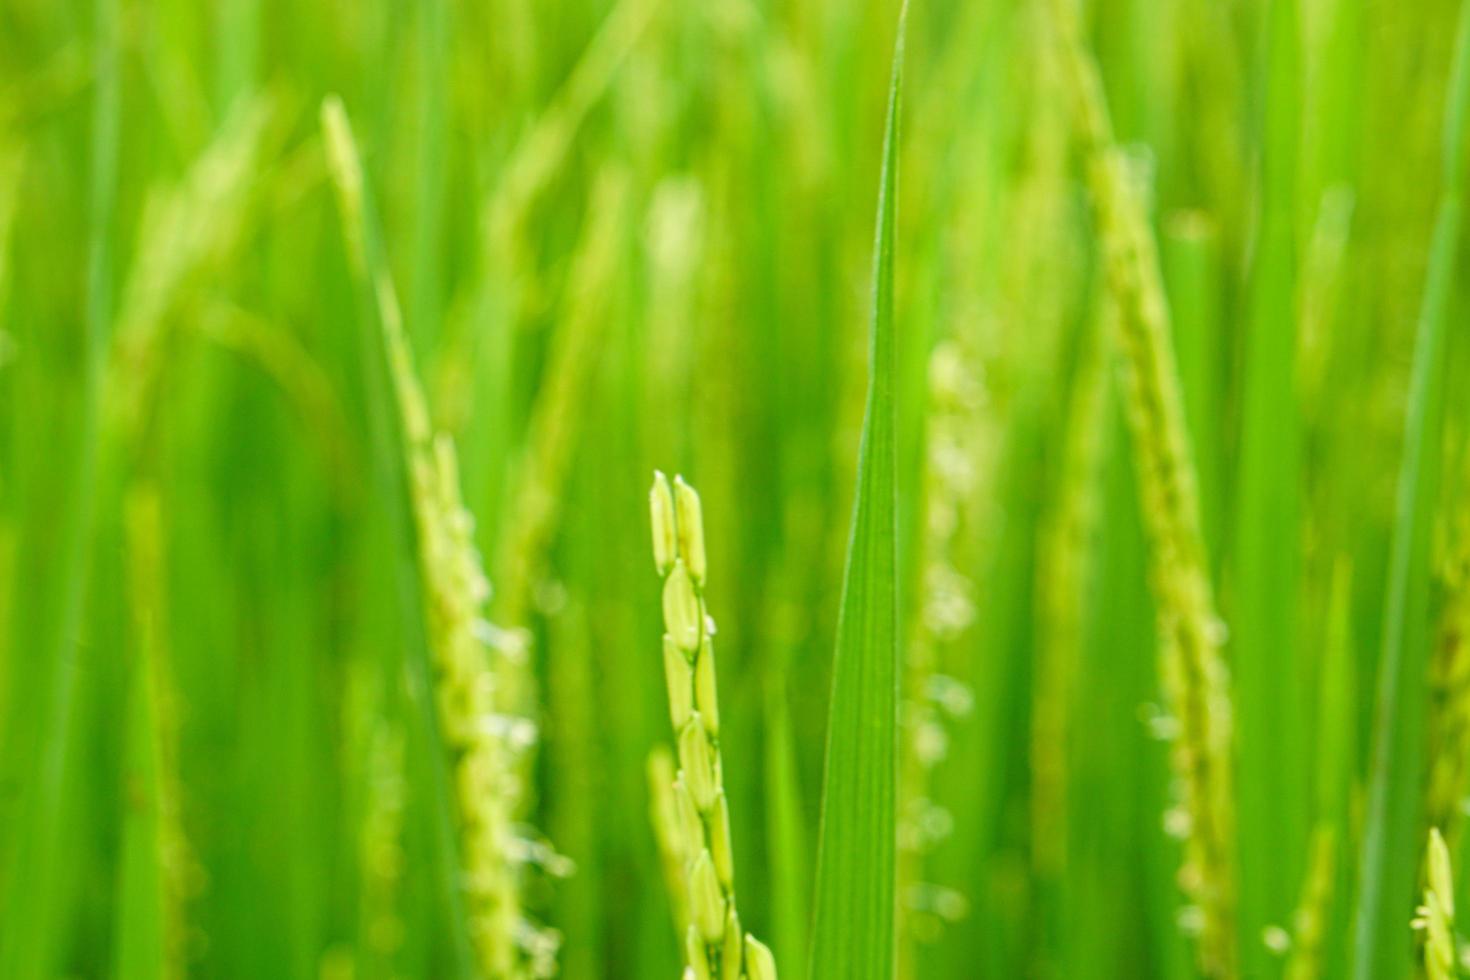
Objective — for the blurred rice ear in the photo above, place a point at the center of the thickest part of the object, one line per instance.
(1195, 676)
(157, 865)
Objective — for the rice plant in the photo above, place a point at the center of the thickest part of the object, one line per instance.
(1080, 416)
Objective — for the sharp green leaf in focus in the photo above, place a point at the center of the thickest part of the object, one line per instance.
(854, 918)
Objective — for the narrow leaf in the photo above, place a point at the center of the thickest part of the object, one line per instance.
(853, 932)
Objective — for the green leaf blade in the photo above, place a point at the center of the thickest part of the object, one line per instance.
(853, 932)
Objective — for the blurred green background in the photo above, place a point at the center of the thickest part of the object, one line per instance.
(638, 234)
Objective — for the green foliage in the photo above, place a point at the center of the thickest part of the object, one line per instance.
(1390, 835)
(35, 847)
(853, 921)
(1099, 612)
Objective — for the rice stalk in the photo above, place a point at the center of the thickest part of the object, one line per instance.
(697, 832)
(470, 655)
(1190, 633)
(158, 872)
(1068, 542)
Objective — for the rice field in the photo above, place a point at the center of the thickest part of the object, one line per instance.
(719, 491)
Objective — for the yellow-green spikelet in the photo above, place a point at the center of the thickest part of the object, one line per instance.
(696, 826)
(1436, 917)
